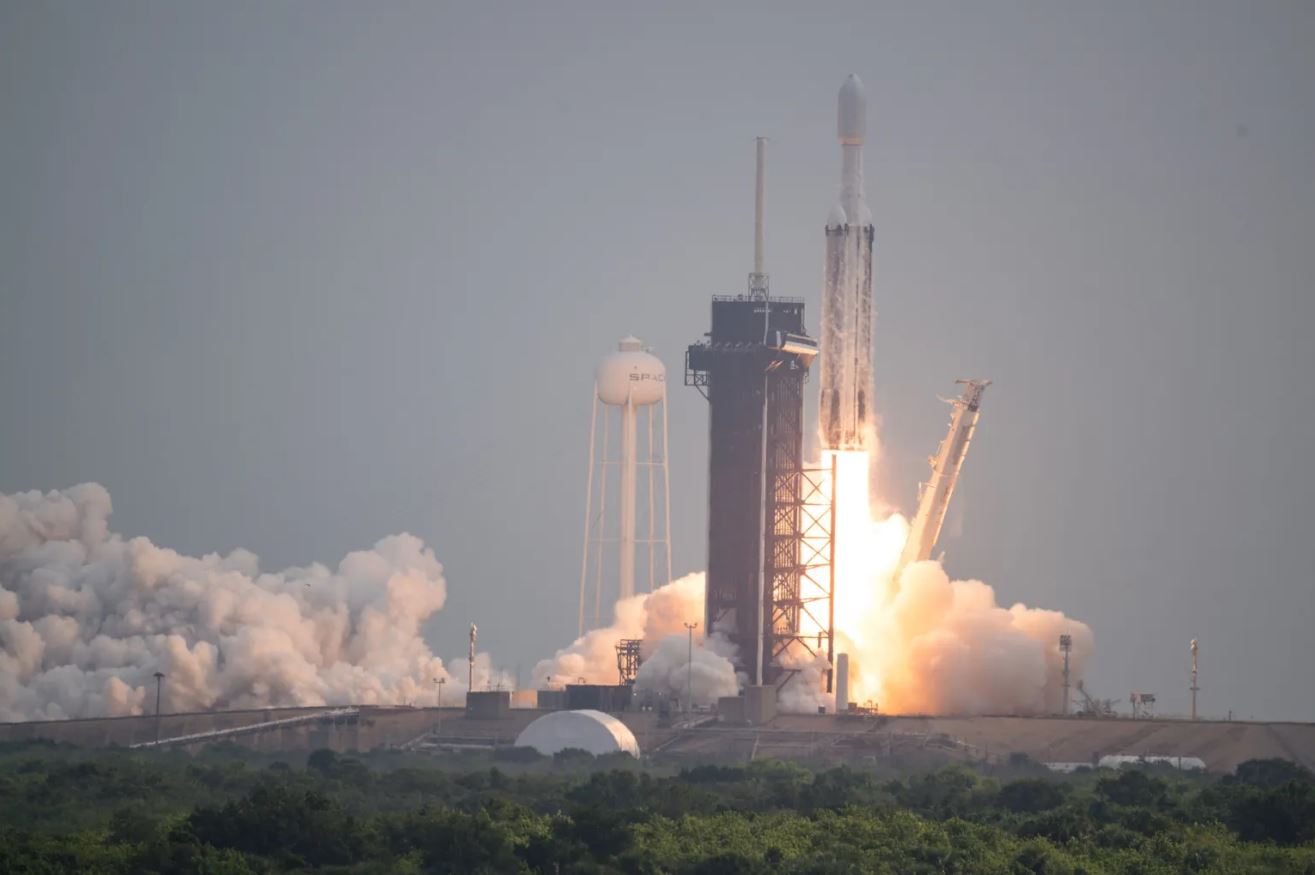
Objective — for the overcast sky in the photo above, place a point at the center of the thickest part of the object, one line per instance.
(293, 276)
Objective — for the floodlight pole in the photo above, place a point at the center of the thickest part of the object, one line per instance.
(1065, 646)
(1194, 687)
(689, 669)
(159, 681)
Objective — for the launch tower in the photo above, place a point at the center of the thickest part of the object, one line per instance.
(763, 506)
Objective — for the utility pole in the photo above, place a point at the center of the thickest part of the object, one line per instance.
(438, 718)
(159, 681)
(1065, 645)
(689, 669)
(470, 661)
(1194, 686)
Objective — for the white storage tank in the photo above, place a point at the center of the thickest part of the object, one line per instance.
(631, 374)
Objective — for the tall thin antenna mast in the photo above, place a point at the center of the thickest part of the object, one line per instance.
(470, 661)
(1194, 686)
(758, 279)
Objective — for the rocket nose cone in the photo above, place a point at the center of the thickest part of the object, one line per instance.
(852, 118)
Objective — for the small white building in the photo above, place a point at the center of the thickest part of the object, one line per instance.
(1187, 764)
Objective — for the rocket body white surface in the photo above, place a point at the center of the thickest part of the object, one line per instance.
(846, 389)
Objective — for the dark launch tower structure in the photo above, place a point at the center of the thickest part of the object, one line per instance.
(762, 503)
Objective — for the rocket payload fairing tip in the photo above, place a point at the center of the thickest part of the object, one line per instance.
(852, 117)
(851, 125)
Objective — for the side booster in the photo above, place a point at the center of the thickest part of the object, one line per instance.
(846, 389)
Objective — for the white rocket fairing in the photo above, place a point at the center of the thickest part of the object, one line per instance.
(846, 389)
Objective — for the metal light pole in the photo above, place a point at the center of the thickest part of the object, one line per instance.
(1065, 646)
(689, 669)
(159, 681)
(470, 661)
(1194, 687)
(438, 682)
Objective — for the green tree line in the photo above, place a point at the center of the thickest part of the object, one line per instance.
(233, 811)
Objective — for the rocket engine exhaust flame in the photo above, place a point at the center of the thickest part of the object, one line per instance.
(921, 643)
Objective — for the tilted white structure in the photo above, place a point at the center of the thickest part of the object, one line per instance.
(591, 731)
(628, 380)
(934, 497)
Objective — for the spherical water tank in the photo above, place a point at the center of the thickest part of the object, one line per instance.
(632, 373)
(591, 731)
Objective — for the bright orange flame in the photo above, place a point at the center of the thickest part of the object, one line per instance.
(867, 551)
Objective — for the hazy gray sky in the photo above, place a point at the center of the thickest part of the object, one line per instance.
(295, 276)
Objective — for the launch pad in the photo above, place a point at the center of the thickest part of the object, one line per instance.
(1220, 745)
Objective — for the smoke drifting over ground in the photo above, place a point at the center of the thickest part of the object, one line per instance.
(87, 617)
(948, 648)
(658, 619)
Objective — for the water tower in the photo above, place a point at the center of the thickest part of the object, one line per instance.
(622, 469)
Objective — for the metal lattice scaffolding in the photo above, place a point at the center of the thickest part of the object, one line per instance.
(803, 568)
(628, 659)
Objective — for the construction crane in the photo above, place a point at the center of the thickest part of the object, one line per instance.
(934, 495)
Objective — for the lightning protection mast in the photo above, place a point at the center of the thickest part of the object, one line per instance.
(470, 661)
(1065, 647)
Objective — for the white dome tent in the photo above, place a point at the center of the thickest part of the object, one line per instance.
(591, 731)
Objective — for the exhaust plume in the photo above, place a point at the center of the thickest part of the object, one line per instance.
(87, 617)
(921, 643)
(658, 619)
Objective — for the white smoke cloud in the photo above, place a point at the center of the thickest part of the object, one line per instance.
(658, 619)
(669, 672)
(87, 617)
(805, 691)
(946, 647)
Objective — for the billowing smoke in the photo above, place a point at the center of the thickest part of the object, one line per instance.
(921, 643)
(948, 648)
(658, 619)
(669, 671)
(87, 617)
(805, 691)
